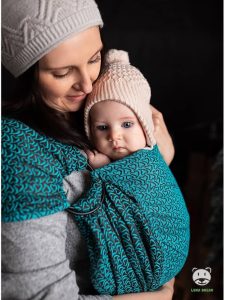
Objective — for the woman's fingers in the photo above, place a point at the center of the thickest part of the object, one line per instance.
(162, 136)
(170, 284)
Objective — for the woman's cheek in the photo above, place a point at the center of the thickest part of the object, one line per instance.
(95, 71)
(52, 89)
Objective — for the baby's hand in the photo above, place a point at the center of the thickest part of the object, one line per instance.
(97, 159)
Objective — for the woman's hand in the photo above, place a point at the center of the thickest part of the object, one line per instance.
(162, 136)
(169, 287)
(97, 159)
(164, 293)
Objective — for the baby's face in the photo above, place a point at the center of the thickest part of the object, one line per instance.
(115, 129)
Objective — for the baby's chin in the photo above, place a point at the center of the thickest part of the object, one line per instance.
(119, 155)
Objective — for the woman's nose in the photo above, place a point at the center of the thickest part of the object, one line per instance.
(84, 84)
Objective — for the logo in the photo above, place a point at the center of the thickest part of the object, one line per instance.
(201, 277)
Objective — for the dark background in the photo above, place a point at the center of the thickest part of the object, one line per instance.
(178, 46)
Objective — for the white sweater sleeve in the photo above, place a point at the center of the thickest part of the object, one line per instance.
(34, 261)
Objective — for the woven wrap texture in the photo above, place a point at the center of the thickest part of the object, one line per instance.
(138, 238)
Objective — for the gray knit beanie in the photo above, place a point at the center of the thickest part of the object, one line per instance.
(125, 84)
(32, 28)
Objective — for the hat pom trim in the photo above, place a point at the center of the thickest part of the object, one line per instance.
(117, 56)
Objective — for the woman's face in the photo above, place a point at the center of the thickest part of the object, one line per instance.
(66, 73)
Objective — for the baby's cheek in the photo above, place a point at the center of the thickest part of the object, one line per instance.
(100, 145)
(138, 143)
(93, 137)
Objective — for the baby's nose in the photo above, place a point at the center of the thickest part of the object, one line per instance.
(114, 135)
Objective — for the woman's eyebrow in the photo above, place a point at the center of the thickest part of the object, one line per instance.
(69, 66)
(58, 68)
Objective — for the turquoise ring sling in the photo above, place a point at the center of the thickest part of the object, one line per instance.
(136, 224)
(133, 217)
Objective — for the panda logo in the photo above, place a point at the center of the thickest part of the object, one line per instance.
(201, 276)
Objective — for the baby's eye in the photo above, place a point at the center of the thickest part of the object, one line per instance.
(102, 127)
(127, 124)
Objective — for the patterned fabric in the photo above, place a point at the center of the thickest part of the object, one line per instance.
(33, 168)
(138, 236)
(136, 224)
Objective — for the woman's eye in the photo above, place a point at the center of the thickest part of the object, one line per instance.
(60, 76)
(102, 127)
(127, 124)
(63, 74)
(95, 59)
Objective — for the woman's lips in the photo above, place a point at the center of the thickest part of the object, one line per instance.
(76, 98)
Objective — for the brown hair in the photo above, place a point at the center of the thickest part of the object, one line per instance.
(23, 102)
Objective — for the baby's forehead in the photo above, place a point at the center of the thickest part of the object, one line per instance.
(110, 104)
(111, 109)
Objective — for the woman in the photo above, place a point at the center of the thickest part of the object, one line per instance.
(54, 48)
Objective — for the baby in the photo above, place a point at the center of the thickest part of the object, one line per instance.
(117, 115)
(133, 217)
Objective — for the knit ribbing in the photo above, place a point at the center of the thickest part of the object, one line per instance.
(125, 84)
(29, 34)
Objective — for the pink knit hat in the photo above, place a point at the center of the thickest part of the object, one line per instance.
(125, 84)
